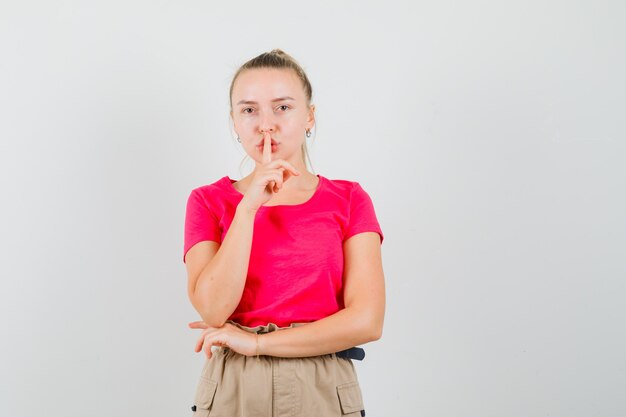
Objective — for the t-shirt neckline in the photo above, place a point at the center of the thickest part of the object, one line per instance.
(229, 182)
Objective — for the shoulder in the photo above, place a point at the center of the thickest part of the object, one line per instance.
(217, 188)
(215, 197)
(357, 207)
(344, 188)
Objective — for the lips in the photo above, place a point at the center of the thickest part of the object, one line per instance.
(273, 148)
(262, 142)
(274, 145)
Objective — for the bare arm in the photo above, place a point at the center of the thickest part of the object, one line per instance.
(217, 273)
(361, 320)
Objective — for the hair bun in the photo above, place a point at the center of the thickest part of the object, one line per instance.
(276, 58)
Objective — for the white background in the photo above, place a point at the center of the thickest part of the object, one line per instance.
(490, 136)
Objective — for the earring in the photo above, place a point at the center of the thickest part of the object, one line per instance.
(308, 133)
(238, 140)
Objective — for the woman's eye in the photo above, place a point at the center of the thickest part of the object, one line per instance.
(283, 107)
(246, 110)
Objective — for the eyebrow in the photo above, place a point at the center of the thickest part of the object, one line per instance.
(273, 101)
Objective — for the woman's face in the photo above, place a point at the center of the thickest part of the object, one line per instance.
(271, 100)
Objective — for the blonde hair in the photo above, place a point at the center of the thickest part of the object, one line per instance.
(279, 59)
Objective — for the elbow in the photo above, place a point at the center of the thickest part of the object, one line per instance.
(213, 319)
(376, 332)
(215, 323)
(376, 321)
(371, 327)
(212, 316)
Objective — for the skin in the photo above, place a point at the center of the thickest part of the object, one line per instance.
(280, 177)
(284, 121)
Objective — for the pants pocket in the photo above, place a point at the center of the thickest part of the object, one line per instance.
(204, 396)
(350, 398)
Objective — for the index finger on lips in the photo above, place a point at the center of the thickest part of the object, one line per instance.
(267, 148)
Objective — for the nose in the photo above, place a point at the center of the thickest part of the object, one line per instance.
(267, 124)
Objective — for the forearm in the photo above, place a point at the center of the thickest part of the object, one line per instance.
(344, 329)
(220, 285)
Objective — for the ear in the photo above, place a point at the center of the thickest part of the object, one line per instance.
(310, 121)
(232, 122)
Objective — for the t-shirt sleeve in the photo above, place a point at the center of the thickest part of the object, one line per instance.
(200, 222)
(362, 214)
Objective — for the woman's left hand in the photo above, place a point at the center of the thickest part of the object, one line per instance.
(228, 335)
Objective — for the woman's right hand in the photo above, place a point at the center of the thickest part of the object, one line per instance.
(268, 178)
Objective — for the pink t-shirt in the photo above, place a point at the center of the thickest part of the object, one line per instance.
(296, 260)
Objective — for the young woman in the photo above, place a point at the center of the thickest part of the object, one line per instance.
(284, 266)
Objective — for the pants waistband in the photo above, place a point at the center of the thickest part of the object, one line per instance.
(350, 353)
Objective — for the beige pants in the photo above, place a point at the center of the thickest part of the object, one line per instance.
(234, 385)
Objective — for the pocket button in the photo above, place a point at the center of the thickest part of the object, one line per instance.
(204, 394)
